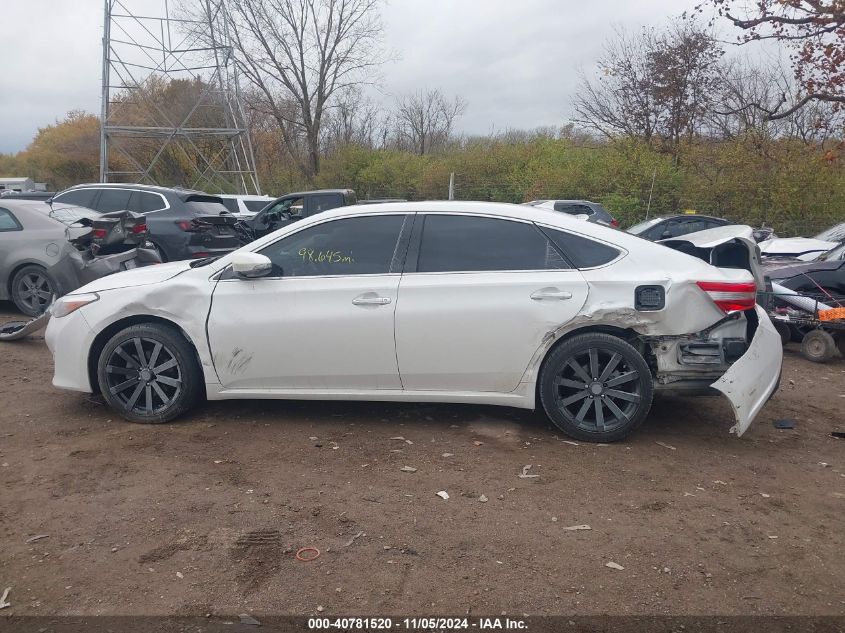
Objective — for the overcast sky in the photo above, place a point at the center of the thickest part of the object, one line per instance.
(514, 61)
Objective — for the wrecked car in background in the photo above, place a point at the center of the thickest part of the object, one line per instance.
(804, 248)
(428, 302)
(181, 223)
(47, 253)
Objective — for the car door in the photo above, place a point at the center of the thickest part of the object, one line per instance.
(477, 297)
(322, 318)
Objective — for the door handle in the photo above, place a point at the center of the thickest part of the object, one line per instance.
(550, 294)
(371, 301)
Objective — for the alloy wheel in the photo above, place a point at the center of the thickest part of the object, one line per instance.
(598, 389)
(144, 376)
(35, 292)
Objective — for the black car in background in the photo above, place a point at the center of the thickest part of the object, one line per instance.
(668, 226)
(182, 223)
(823, 278)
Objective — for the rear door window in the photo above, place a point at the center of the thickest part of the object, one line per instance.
(349, 246)
(113, 200)
(8, 222)
(324, 202)
(460, 243)
(146, 202)
(255, 205)
(581, 251)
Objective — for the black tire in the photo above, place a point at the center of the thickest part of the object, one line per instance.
(591, 410)
(33, 289)
(784, 331)
(153, 384)
(818, 346)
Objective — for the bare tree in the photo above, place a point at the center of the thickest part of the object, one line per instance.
(654, 85)
(425, 119)
(304, 53)
(352, 120)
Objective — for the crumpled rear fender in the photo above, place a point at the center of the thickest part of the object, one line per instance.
(751, 380)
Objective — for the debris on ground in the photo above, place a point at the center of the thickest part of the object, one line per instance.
(443, 495)
(764, 495)
(524, 474)
(313, 554)
(554, 519)
(448, 455)
(354, 537)
(249, 620)
(483, 499)
(664, 445)
(570, 442)
(613, 565)
(37, 537)
(179, 574)
(3, 603)
(784, 423)
(398, 437)
(478, 443)
(576, 528)
(408, 469)
(321, 608)
(838, 434)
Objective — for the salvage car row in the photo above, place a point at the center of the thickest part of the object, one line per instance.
(432, 301)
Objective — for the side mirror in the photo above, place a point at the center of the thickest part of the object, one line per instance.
(251, 265)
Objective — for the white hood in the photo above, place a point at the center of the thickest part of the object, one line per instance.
(806, 248)
(136, 277)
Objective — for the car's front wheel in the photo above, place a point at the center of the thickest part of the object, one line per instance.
(149, 373)
(596, 387)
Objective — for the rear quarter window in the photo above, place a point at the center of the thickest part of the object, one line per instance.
(582, 252)
(8, 222)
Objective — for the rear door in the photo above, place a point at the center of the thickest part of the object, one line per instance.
(476, 299)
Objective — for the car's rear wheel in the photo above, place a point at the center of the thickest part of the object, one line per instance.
(33, 289)
(596, 387)
(149, 373)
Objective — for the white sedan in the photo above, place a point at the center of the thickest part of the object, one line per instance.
(429, 302)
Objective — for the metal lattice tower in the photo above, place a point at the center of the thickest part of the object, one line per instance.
(171, 103)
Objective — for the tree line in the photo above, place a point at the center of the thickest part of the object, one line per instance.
(673, 119)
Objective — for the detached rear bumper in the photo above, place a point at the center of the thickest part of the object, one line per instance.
(751, 380)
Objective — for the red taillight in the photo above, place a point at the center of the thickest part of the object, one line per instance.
(186, 225)
(139, 228)
(99, 233)
(731, 296)
(614, 222)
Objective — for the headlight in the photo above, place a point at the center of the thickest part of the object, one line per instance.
(71, 303)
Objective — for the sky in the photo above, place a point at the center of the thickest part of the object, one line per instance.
(515, 62)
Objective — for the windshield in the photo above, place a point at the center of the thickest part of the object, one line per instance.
(833, 234)
(72, 215)
(642, 226)
(835, 254)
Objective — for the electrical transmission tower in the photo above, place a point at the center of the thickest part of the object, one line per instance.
(171, 103)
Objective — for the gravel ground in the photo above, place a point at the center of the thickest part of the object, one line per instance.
(204, 515)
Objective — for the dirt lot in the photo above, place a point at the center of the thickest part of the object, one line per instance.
(204, 515)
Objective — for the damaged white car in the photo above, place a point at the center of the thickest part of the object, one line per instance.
(430, 302)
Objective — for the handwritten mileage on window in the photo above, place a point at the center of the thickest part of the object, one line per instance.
(325, 257)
